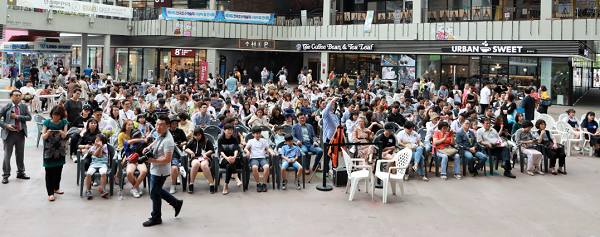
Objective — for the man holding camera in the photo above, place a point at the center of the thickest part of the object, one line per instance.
(160, 169)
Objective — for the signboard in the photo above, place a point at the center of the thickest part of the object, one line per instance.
(247, 17)
(256, 44)
(183, 52)
(203, 72)
(486, 48)
(163, 3)
(119, 67)
(150, 75)
(78, 7)
(335, 47)
(189, 14)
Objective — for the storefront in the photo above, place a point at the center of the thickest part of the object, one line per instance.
(25, 54)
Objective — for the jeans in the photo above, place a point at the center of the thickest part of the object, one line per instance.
(417, 154)
(314, 149)
(13, 81)
(444, 159)
(264, 80)
(481, 158)
(157, 193)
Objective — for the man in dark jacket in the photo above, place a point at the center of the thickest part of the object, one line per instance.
(468, 141)
(528, 103)
(395, 116)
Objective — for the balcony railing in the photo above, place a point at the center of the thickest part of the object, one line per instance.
(482, 13)
(572, 10)
(379, 17)
(65, 13)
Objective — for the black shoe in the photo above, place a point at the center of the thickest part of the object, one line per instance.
(259, 188)
(562, 172)
(191, 188)
(5, 180)
(264, 187)
(283, 184)
(151, 222)
(177, 207)
(212, 189)
(510, 175)
(22, 176)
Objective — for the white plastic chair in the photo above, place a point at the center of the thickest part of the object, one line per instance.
(550, 123)
(402, 160)
(562, 117)
(566, 138)
(536, 115)
(354, 176)
(38, 102)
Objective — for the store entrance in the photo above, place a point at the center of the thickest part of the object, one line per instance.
(183, 64)
(368, 69)
(454, 74)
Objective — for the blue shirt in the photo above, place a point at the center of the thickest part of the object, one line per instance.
(330, 122)
(88, 72)
(306, 111)
(290, 152)
(231, 84)
(14, 72)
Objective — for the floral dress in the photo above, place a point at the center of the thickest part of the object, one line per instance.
(54, 145)
(360, 135)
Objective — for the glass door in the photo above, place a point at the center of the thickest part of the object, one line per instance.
(453, 74)
(368, 69)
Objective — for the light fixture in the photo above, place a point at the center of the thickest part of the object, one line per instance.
(493, 69)
(373, 56)
(498, 66)
(525, 69)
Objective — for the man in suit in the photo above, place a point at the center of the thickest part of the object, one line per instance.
(528, 103)
(14, 131)
(304, 137)
(467, 140)
(20, 83)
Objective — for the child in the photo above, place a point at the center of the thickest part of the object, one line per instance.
(289, 155)
(135, 145)
(279, 138)
(99, 163)
(255, 153)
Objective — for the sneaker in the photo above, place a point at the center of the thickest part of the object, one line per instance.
(258, 188)
(191, 188)
(212, 189)
(264, 187)
(151, 222)
(95, 183)
(103, 193)
(298, 185)
(177, 207)
(576, 148)
(178, 179)
(135, 193)
(283, 184)
(182, 172)
(458, 176)
(586, 149)
(139, 190)
(88, 194)
(173, 189)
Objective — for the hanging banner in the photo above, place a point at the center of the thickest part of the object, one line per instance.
(189, 14)
(247, 17)
(203, 72)
(78, 7)
(368, 21)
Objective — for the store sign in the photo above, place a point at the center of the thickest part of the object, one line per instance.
(203, 72)
(183, 53)
(54, 46)
(335, 47)
(19, 46)
(256, 44)
(78, 7)
(486, 48)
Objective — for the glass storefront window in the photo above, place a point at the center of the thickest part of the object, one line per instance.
(120, 58)
(135, 64)
(429, 66)
(149, 65)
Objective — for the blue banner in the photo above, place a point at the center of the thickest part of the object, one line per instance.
(190, 14)
(247, 17)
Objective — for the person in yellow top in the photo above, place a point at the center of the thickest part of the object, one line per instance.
(543, 91)
(125, 134)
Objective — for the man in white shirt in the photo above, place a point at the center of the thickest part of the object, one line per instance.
(28, 95)
(486, 97)
(264, 75)
(151, 97)
(126, 112)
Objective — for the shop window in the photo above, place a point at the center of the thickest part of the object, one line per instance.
(121, 67)
(429, 66)
(149, 65)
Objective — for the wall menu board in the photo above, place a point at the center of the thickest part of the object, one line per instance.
(398, 67)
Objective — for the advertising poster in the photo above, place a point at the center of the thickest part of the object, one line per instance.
(203, 72)
(150, 75)
(388, 73)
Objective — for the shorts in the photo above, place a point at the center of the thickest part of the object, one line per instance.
(175, 161)
(93, 170)
(260, 162)
(285, 164)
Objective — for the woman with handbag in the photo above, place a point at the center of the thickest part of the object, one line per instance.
(553, 149)
(54, 134)
(508, 111)
(527, 143)
(443, 140)
(544, 100)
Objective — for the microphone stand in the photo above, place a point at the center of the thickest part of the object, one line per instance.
(324, 186)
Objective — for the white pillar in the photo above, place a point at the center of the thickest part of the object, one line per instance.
(324, 69)
(212, 6)
(106, 55)
(84, 51)
(546, 10)
(327, 12)
(213, 58)
(418, 11)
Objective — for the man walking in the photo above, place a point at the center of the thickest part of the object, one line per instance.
(264, 75)
(160, 169)
(14, 132)
(34, 74)
(528, 103)
(14, 74)
(486, 97)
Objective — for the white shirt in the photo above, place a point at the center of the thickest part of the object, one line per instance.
(413, 138)
(129, 114)
(485, 92)
(456, 126)
(26, 90)
(257, 148)
(283, 80)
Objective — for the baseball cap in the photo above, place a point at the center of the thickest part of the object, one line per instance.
(87, 107)
(235, 96)
(389, 127)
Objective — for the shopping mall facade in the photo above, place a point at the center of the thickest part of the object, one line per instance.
(531, 43)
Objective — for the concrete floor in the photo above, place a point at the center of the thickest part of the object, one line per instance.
(486, 206)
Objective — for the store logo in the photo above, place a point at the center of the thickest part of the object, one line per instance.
(19, 46)
(486, 48)
(299, 47)
(336, 47)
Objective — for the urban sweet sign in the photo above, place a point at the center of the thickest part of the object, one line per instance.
(335, 47)
(486, 48)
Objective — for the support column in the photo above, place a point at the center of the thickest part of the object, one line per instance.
(106, 55)
(324, 69)
(546, 10)
(327, 12)
(213, 57)
(84, 52)
(418, 11)
(212, 5)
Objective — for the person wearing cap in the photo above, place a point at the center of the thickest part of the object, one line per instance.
(180, 140)
(202, 118)
(431, 125)
(389, 143)
(195, 106)
(235, 102)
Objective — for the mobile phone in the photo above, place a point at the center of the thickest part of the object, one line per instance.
(443, 117)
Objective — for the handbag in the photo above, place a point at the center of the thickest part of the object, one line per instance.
(449, 151)
(546, 102)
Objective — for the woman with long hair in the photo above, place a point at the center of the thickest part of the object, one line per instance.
(200, 151)
(245, 112)
(554, 151)
(543, 109)
(590, 126)
(89, 136)
(125, 133)
(526, 142)
(115, 122)
(574, 122)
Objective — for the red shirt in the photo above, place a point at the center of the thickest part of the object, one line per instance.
(438, 135)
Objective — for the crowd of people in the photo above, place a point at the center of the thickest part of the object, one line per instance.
(474, 122)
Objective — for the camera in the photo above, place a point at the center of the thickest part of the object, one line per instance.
(136, 158)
